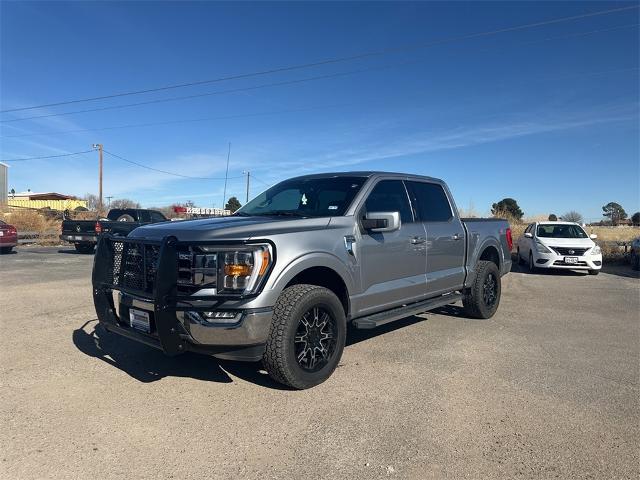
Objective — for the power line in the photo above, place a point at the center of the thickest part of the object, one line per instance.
(275, 112)
(264, 183)
(45, 157)
(207, 94)
(281, 83)
(266, 85)
(164, 171)
(172, 122)
(334, 60)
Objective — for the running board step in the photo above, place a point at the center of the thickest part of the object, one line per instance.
(377, 319)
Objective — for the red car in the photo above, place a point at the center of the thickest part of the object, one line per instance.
(8, 237)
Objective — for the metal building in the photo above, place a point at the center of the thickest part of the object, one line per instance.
(4, 182)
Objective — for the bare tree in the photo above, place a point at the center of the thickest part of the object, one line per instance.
(124, 203)
(572, 216)
(92, 201)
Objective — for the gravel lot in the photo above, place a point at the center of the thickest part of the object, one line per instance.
(547, 388)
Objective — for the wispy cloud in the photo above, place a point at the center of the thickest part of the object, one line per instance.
(371, 149)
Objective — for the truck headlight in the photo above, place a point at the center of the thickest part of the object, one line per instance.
(541, 248)
(596, 250)
(228, 270)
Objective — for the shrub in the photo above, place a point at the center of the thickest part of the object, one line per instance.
(25, 220)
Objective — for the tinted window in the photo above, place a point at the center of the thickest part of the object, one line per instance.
(157, 217)
(306, 197)
(561, 231)
(389, 196)
(143, 216)
(431, 202)
(115, 213)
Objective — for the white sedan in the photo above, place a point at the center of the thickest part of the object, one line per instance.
(562, 245)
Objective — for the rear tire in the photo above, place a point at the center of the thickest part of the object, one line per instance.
(635, 260)
(481, 300)
(594, 272)
(82, 248)
(307, 336)
(5, 250)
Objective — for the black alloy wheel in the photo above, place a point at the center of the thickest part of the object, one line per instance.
(315, 339)
(490, 290)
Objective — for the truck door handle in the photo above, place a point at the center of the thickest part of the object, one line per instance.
(456, 236)
(417, 240)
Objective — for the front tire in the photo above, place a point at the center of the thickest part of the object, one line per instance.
(594, 272)
(635, 260)
(307, 336)
(532, 265)
(481, 300)
(520, 260)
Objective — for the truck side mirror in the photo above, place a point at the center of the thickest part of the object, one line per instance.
(376, 222)
(528, 235)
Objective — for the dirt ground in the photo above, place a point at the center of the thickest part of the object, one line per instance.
(548, 388)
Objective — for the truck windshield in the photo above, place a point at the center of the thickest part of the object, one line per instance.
(306, 197)
(561, 231)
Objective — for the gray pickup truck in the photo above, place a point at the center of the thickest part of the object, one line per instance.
(280, 280)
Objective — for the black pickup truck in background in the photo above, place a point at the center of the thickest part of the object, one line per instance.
(120, 221)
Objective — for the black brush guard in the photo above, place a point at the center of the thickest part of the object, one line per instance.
(157, 283)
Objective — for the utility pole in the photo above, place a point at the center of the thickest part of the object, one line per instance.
(248, 175)
(99, 147)
(224, 194)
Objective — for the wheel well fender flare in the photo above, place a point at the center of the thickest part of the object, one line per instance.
(315, 260)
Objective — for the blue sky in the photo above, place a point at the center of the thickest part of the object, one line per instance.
(547, 115)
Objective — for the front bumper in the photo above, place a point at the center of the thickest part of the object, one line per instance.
(553, 260)
(173, 327)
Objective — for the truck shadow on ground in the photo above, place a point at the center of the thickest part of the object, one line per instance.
(147, 364)
(73, 251)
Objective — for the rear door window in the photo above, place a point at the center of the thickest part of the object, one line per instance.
(430, 202)
(157, 217)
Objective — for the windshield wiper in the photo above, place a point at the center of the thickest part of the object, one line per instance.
(241, 214)
(281, 213)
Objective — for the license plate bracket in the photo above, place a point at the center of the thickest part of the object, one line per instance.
(140, 320)
(571, 260)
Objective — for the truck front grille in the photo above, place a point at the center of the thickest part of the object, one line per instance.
(134, 266)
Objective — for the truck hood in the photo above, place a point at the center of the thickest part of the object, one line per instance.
(228, 228)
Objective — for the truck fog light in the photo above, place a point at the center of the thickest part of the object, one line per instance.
(221, 317)
(232, 282)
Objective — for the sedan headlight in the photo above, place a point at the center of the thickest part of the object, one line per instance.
(541, 248)
(227, 270)
(596, 250)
